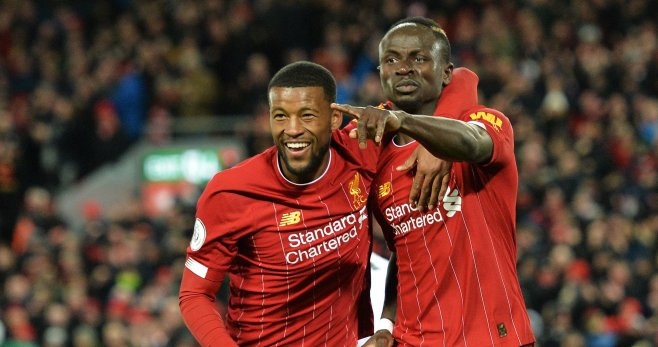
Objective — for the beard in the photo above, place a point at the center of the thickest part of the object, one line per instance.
(305, 173)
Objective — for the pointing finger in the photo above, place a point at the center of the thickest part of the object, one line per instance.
(350, 110)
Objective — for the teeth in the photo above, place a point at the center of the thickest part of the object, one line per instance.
(296, 145)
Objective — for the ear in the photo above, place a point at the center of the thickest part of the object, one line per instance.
(446, 74)
(336, 119)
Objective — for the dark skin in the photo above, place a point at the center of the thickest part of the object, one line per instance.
(456, 141)
(413, 74)
(413, 81)
(301, 123)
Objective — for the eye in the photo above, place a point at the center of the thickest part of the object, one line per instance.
(420, 59)
(308, 116)
(391, 60)
(278, 116)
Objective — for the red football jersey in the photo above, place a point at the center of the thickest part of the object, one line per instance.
(457, 280)
(296, 254)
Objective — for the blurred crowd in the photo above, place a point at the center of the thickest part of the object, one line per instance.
(80, 81)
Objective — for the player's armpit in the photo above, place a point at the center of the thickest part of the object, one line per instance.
(197, 304)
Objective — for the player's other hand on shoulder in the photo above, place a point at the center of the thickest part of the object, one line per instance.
(431, 180)
(382, 338)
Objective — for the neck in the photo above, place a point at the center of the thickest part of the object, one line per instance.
(402, 139)
(426, 109)
(302, 176)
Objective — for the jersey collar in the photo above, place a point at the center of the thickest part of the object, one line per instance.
(324, 173)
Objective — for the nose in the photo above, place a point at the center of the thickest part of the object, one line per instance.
(294, 127)
(404, 67)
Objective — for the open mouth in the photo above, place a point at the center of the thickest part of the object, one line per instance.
(297, 147)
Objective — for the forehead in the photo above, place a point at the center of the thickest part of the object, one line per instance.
(297, 97)
(409, 36)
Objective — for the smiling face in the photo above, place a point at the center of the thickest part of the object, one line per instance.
(301, 121)
(412, 71)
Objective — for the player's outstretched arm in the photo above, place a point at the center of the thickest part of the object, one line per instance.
(432, 174)
(449, 139)
(197, 305)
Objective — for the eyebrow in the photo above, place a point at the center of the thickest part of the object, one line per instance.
(309, 109)
(305, 108)
(414, 51)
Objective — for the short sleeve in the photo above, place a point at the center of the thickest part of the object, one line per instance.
(499, 129)
(458, 96)
(218, 227)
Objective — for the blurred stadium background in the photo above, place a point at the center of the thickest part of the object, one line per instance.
(113, 115)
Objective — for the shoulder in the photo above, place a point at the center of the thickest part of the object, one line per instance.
(342, 136)
(487, 116)
(499, 128)
(348, 149)
(242, 176)
(486, 113)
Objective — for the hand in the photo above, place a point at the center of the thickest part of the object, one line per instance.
(372, 122)
(431, 181)
(381, 338)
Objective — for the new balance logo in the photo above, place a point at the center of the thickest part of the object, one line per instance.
(384, 189)
(452, 202)
(290, 218)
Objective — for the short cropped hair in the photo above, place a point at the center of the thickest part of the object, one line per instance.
(305, 74)
(438, 32)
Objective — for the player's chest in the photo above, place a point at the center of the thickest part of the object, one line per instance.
(313, 229)
(406, 220)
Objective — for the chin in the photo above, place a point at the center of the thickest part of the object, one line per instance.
(410, 104)
(297, 168)
(300, 170)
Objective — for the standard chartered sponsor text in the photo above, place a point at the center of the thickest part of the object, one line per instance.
(452, 203)
(333, 235)
(411, 223)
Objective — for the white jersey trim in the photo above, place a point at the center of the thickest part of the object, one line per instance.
(400, 146)
(474, 122)
(196, 267)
